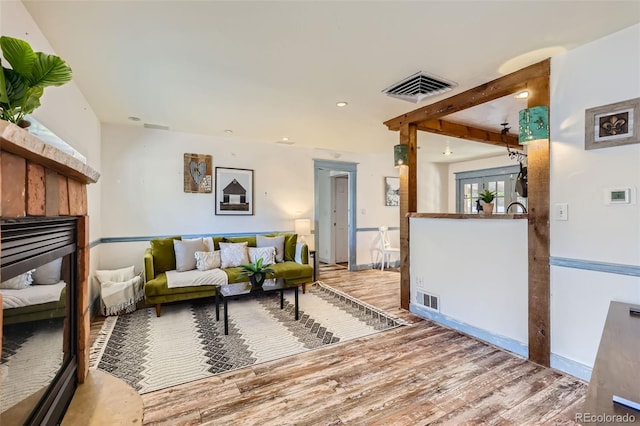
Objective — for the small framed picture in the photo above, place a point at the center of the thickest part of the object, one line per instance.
(197, 173)
(612, 125)
(234, 191)
(391, 191)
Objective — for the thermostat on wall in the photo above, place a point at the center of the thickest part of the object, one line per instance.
(617, 195)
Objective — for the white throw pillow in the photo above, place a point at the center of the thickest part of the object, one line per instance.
(186, 253)
(209, 244)
(298, 257)
(206, 260)
(48, 273)
(277, 242)
(267, 254)
(233, 254)
(115, 275)
(19, 282)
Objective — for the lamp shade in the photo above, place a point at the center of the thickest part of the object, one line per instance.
(534, 124)
(303, 226)
(400, 155)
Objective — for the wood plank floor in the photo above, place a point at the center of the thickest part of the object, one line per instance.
(416, 375)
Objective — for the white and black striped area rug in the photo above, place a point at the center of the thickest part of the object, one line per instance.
(187, 343)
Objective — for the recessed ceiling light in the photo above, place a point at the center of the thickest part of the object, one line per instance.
(132, 118)
(285, 139)
(342, 104)
(228, 131)
(447, 150)
(522, 95)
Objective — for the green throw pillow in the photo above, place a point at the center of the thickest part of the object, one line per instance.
(290, 241)
(164, 257)
(251, 240)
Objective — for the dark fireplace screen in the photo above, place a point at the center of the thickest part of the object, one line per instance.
(38, 277)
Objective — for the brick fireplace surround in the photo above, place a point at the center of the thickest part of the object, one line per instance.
(38, 180)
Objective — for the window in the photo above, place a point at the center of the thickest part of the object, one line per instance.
(501, 180)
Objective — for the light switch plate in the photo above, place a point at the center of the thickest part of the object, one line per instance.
(562, 211)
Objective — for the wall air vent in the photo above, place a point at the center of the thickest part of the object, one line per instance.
(419, 86)
(429, 300)
(155, 126)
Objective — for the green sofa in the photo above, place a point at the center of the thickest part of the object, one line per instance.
(158, 259)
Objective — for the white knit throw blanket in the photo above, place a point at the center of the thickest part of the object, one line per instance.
(123, 296)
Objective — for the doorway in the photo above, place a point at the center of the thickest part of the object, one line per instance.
(335, 212)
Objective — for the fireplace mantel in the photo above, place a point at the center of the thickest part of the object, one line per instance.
(39, 180)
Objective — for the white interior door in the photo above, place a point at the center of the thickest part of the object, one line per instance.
(341, 218)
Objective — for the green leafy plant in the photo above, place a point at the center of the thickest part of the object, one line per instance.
(256, 270)
(22, 85)
(487, 196)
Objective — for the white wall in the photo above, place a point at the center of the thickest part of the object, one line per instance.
(433, 186)
(64, 110)
(594, 231)
(143, 189)
(478, 269)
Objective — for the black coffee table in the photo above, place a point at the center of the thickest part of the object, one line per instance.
(237, 290)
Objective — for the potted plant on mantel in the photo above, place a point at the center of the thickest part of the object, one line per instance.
(22, 85)
(487, 198)
(256, 272)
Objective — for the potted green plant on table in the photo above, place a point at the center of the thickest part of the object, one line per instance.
(256, 272)
(22, 85)
(487, 197)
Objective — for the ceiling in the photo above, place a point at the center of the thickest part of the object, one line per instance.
(272, 69)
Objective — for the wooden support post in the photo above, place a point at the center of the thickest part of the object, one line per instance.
(538, 235)
(408, 204)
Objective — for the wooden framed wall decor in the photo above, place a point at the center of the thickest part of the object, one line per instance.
(612, 125)
(234, 191)
(198, 173)
(391, 191)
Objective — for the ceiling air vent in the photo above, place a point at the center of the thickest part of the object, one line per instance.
(419, 86)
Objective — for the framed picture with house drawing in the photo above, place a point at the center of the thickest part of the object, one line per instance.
(234, 191)
(612, 125)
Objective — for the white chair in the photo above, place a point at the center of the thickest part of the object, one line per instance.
(385, 247)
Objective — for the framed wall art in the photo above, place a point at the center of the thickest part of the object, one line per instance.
(234, 191)
(612, 125)
(198, 176)
(391, 191)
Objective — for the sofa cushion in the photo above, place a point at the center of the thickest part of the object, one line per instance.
(49, 273)
(158, 287)
(277, 242)
(250, 240)
(267, 254)
(212, 243)
(186, 253)
(19, 282)
(233, 254)
(290, 241)
(291, 270)
(206, 260)
(164, 257)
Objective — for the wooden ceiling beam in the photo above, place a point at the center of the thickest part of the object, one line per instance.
(456, 130)
(503, 86)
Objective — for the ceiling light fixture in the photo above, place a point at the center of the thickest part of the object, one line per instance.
(522, 95)
(228, 131)
(342, 104)
(133, 118)
(447, 150)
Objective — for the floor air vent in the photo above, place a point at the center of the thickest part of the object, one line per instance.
(419, 86)
(429, 300)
